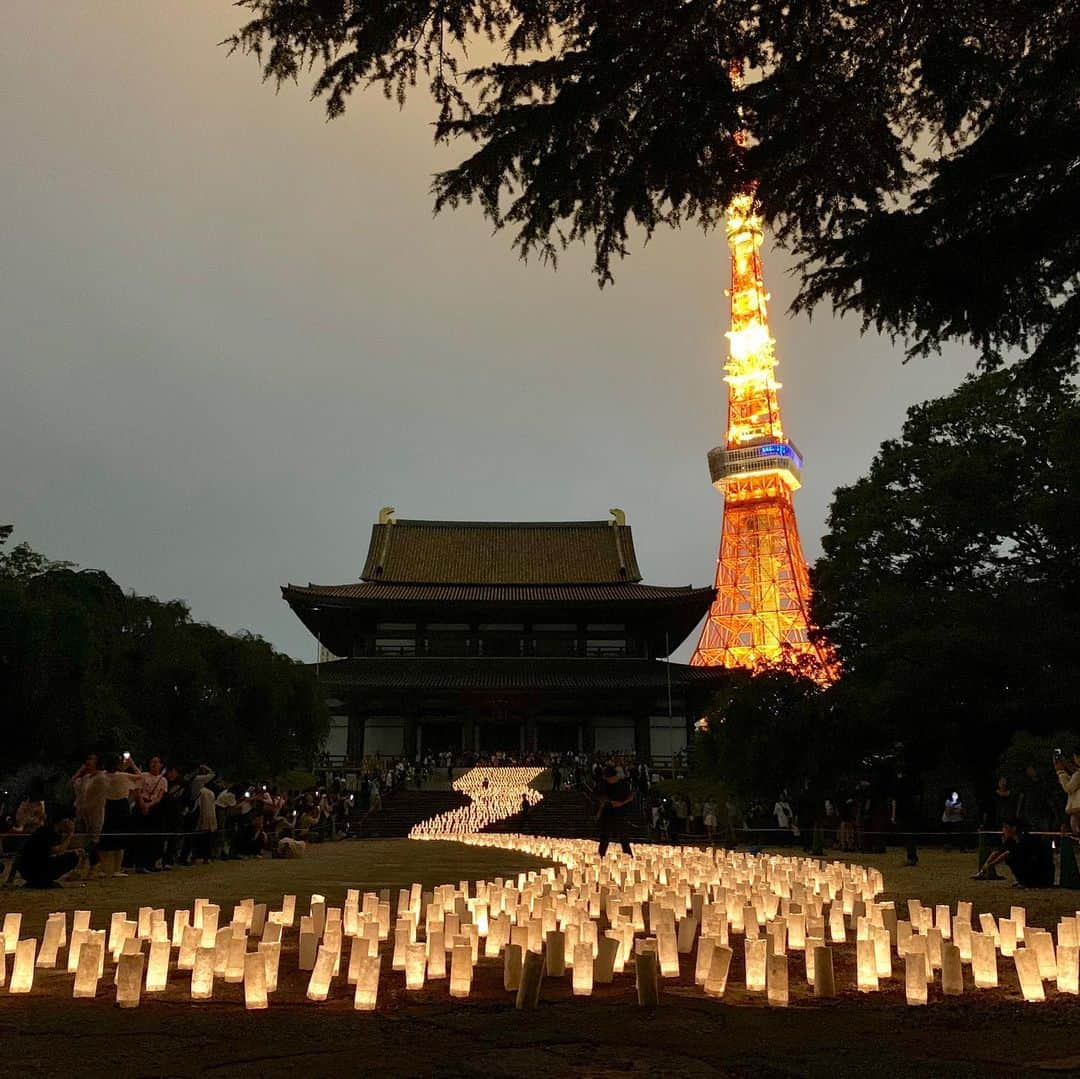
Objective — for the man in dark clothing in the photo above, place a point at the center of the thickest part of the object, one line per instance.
(44, 858)
(1028, 857)
(615, 795)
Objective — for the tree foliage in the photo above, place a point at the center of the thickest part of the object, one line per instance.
(922, 159)
(950, 582)
(86, 667)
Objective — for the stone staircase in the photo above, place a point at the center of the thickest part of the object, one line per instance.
(566, 814)
(406, 808)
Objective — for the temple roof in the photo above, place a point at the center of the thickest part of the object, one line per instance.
(509, 674)
(501, 553)
(364, 592)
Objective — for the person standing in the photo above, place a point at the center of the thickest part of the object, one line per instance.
(148, 795)
(121, 778)
(1068, 774)
(89, 785)
(615, 795)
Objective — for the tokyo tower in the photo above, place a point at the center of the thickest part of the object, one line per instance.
(761, 612)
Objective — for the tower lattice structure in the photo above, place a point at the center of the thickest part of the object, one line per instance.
(761, 612)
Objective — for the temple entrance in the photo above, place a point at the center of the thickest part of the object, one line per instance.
(438, 738)
(497, 737)
(558, 737)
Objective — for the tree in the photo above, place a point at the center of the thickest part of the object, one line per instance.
(950, 582)
(922, 159)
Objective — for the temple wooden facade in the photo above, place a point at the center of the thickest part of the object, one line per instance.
(513, 636)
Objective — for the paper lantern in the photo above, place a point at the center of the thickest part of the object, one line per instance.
(720, 965)
(235, 960)
(604, 963)
(202, 974)
(777, 979)
(436, 960)
(1068, 975)
(532, 976)
(915, 978)
(512, 959)
(1068, 933)
(943, 920)
(80, 920)
(55, 930)
(984, 961)
(415, 964)
(258, 919)
(933, 949)
(706, 944)
(667, 953)
(866, 966)
(1007, 937)
(190, 940)
(461, 970)
(1027, 970)
(321, 975)
(962, 934)
(796, 931)
(271, 933)
(255, 992)
(87, 972)
(129, 975)
(882, 951)
(952, 971)
(157, 967)
(583, 971)
(309, 944)
(647, 973)
(22, 970)
(824, 978)
(210, 912)
(837, 933)
(367, 984)
(687, 930)
(556, 954)
(270, 950)
(1019, 916)
(756, 953)
(288, 909)
(221, 950)
(1042, 943)
(989, 927)
(11, 931)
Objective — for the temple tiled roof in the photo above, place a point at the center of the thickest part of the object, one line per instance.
(511, 674)
(501, 553)
(378, 592)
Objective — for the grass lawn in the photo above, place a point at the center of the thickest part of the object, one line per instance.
(985, 1033)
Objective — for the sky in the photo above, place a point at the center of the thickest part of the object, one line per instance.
(231, 331)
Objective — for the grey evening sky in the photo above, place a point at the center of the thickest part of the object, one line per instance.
(230, 332)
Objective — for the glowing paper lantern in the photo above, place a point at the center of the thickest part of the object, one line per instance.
(647, 973)
(157, 968)
(461, 970)
(87, 973)
(943, 920)
(1040, 941)
(837, 933)
(866, 966)
(143, 921)
(777, 978)
(824, 979)
(1007, 937)
(12, 928)
(210, 912)
(309, 942)
(686, 932)
(319, 984)
(668, 954)
(181, 921)
(915, 978)
(756, 953)
(984, 961)
(288, 909)
(706, 944)
(129, 975)
(583, 971)
(436, 962)
(952, 971)
(882, 951)
(1068, 969)
(796, 931)
(556, 954)
(1019, 916)
(255, 992)
(55, 929)
(415, 964)
(221, 950)
(512, 959)
(80, 920)
(716, 979)
(202, 974)
(962, 934)
(22, 970)
(604, 964)
(1027, 970)
(235, 963)
(270, 950)
(190, 940)
(367, 984)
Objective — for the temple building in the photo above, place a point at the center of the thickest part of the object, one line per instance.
(516, 636)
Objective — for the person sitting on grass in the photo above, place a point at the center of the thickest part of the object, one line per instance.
(1026, 855)
(251, 838)
(45, 858)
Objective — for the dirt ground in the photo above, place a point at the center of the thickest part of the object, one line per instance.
(984, 1033)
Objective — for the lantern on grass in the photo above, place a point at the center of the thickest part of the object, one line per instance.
(221, 951)
(270, 950)
(180, 922)
(202, 974)
(583, 971)
(309, 944)
(1019, 916)
(461, 970)
(648, 978)
(367, 984)
(288, 909)
(80, 920)
(319, 984)
(556, 954)
(837, 932)
(824, 978)
(415, 964)
(756, 952)
(189, 945)
(235, 960)
(142, 922)
(255, 992)
(157, 967)
(777, 978)
(915, 978)
(933, 949)
(1007, 937)
(1068, 969)
(952, 971)
(11, 931)
(867, 969)
(604, 964)
(1027, 970)
(401, 942)
(512, 958)
(532, 977)
(51, 940)
(87, 973)
(1042, 943)
(436, 960)
(706, 944)
(22, 971)
(882, 951)
(210, 912)
(129, 975)
(667, 954)
(984, 961)
(716, 979)
(962, 934)
(796, 931)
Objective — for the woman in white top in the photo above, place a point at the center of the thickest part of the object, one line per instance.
(1068, 773)
(121, 778)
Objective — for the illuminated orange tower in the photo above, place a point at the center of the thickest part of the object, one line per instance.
(762, 607)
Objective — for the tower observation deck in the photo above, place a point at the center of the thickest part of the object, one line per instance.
(761, 612)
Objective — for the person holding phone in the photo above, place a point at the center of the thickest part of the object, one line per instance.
(1068, 774)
